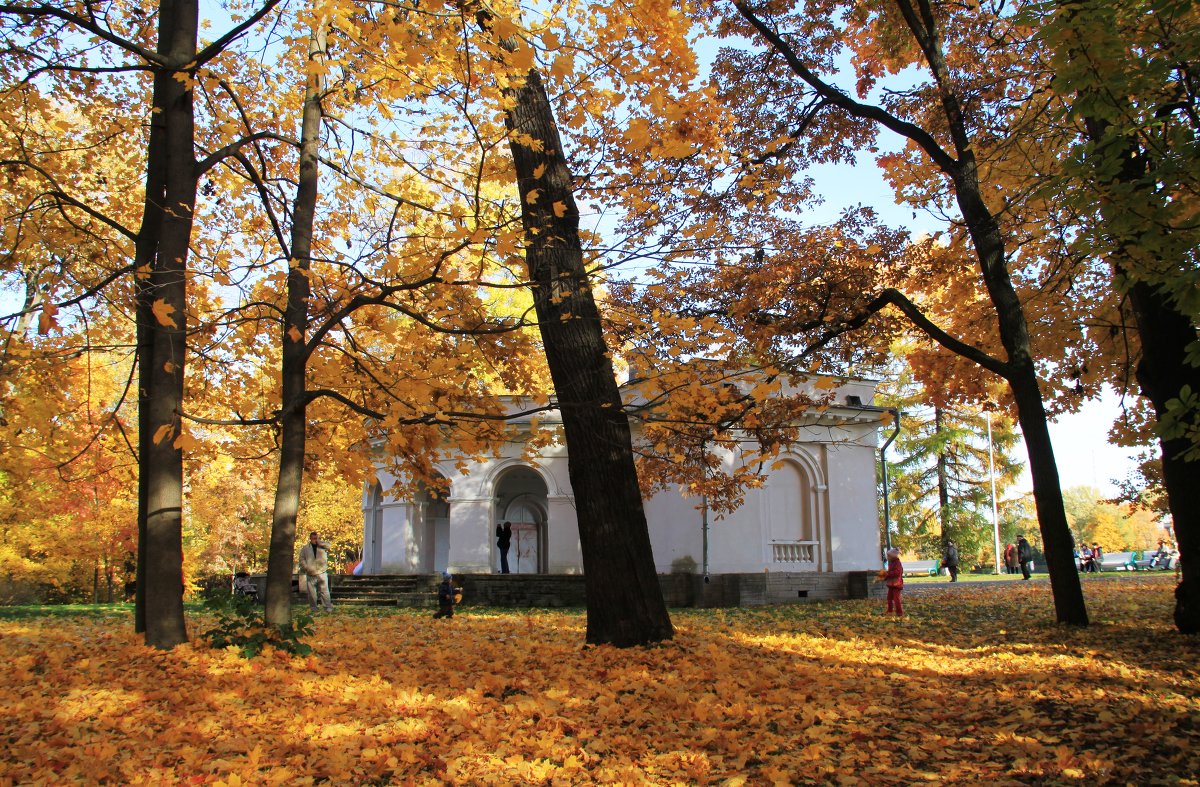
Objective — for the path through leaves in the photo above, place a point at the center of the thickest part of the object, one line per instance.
(977, 684)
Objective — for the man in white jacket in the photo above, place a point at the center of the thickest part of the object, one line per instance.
(314, 563)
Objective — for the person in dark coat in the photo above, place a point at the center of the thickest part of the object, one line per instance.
(950, 561)
(447, 597)
(1024, 556)
(503, 539)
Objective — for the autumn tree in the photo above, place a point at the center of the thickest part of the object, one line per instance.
(1128, 71)
(113, 42)
(800, 116)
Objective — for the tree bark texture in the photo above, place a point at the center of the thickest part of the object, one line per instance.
(1069, 605)
(162, 462)
(293, 417)
(625, 605)
(1162, 372)
(145, 258)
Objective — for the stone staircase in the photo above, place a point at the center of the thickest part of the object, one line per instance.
(386, 590)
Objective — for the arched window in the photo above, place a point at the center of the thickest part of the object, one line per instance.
(790, 510)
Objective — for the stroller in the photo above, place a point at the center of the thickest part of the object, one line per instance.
(243, 585)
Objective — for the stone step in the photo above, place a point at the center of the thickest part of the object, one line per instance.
(407, 600)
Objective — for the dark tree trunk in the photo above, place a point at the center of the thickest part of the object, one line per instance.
(943, 481)
(161, 571)
(295, 355)
(1069, 605)
(145, 259)
(1164, 331)
(1162, 372)
(624, 600)
(168, 284)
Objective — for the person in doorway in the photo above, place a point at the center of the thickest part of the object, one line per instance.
(448, 596)
(503, 540)
(894, 580)
(950, 560)
(314, 565)
(1024, 556)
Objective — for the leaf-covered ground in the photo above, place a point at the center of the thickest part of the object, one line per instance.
(976, 684)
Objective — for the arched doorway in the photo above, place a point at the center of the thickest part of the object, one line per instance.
(521, 500)
(374, 538)
(432, 527)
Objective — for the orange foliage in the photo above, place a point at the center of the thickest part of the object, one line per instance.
(976, 685)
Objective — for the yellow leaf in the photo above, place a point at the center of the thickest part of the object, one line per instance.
(162, 312)
(532, 196)
(521, 58)
(169, 367)
(562, 66)
(294, 334)
(539, 170)
(560, 209)
(46, 320)
(185, 442)
(163, 432)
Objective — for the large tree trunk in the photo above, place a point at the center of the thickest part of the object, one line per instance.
(295, 355)
(1164, 332)
(1069, 605)
(162, 463)
(1162, 372)
(624, 599)
(145, 259)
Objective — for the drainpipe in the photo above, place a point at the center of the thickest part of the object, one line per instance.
(887, 513)
(704, 514)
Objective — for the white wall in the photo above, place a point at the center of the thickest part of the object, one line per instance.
(837, 496)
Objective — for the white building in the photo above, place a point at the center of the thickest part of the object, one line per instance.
(817, 511)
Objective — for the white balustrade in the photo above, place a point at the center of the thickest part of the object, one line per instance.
(794, 551)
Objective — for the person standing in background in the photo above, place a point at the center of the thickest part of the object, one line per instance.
(951, 560)
(894, 580)
(314, 565)
(1024, 556)
(503, 540)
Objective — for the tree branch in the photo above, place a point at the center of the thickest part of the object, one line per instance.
(843, 101)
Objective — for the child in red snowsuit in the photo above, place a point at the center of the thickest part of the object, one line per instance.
(894, 579)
